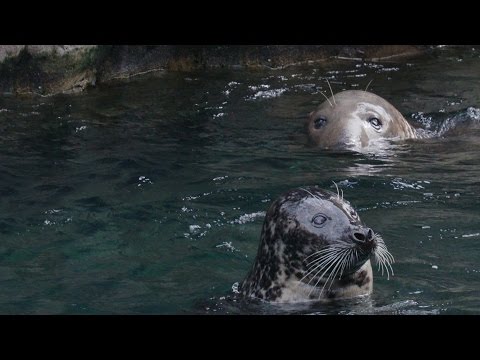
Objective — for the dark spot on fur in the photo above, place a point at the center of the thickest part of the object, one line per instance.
(265, 282)
(361, 278)
(276, 292)
(268, 233)
(296, 264)
(270, 295)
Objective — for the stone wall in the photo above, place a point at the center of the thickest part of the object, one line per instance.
(53, 69)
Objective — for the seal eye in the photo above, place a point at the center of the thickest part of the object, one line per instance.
(319, 220)
(376, 123)
(319, 122)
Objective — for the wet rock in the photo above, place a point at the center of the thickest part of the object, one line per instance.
(52, 69)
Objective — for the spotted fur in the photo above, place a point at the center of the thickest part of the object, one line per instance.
(289, 238)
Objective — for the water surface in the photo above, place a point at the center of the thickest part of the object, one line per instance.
(148, 197)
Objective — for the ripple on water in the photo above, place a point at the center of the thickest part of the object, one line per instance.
(148, 196)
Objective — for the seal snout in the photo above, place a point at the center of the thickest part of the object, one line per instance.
(364, 237)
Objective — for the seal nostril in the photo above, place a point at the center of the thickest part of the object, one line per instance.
(369, 234)
(359, 236)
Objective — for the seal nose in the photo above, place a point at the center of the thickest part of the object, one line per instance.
(364, 236)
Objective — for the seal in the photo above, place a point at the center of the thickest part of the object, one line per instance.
(314, 247)
(356, 120)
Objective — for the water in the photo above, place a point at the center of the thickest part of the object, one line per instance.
(148, 197)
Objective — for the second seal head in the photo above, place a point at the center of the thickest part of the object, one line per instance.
(356, 120)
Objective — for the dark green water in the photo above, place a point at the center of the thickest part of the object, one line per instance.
(148, 197)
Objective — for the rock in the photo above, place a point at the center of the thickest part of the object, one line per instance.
(7, 51)
(53, 69)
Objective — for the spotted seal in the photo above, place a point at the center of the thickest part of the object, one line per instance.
(314, 247)
(356, 120)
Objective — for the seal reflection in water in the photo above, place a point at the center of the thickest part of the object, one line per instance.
(313, 246)
(356, 120)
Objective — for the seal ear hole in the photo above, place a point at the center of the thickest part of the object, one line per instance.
(319, 220)
(375, 122)
(319, 122)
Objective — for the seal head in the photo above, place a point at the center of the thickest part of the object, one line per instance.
(314, 247)
(356, 120)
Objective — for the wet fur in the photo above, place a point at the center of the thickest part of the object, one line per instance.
(347, 122)
(286, 243)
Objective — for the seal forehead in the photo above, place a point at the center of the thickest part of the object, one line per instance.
(372, 108)
(303, 204)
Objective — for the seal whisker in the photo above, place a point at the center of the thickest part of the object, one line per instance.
(321, 277)
(331, 263)
(313, 196)
(326, 98)
(339, 269)
(345, 263)
(318, 260)
(382, 248)
(323, 252)
(386, 269)
(387, 265)
(335, 270)
(384, 258)
(353, 258)
(333, 96)
(323, 259)
(339, 245)
(380, 264)
(383, 253)
(318, 256)
(322, 262)
(338, 192)
(350, 259)
(368, 85)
